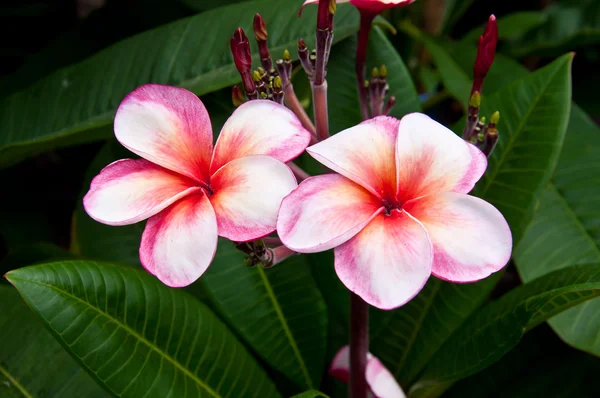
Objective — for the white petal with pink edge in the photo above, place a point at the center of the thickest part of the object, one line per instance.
(364, 153)
(388, 262)
(179, 243)
(470, 238)
(431, 158)
(324, 212)
(260, 127)
(168, 126)
(247, 195)
(381, 382)
(128, 191)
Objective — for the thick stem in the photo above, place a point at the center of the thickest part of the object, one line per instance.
(320, 110)
(366, 18)
(270, 241)
(291, 101)
(359, 346)
(300, 174)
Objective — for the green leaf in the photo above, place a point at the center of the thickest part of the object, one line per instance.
(410, 336)
(278, 311)
(560, 372)
(566, 228)
(495, 329)
(77, 103)
(136, 335)
(26, 349)
(569, 25)
(510, 27)
(534, 116)
(344, 109)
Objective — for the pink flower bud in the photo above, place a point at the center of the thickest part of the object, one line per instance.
(485, 53)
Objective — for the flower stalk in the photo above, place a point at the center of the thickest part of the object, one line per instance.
(366, 18)
(359, 346)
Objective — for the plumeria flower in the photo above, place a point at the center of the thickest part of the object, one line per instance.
(398, 211)
(380, 380)
(375, 6)
(189, 192)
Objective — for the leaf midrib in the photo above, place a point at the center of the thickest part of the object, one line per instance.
(129, 330)
(15, 382)
(285, 327)
(519, 131)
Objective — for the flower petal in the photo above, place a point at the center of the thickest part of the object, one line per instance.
(470, 238)
(388, 262)
(247, 195)
(324, 212)
(364, 153)
(128, 191)
(431, 158)
(381, 382)
(179, 243)
(168, 126)
(260, 127)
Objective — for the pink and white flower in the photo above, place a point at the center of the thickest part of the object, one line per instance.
(189, 192)
(380, 380)
(398, 211)
(376, 6)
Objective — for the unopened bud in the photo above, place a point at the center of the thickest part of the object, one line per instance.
(482, 120)
(237, 97)
(240, 49)
(366, 84)
(256, 76)
(375, 72)
(485, 53)
(263, 95)
(286, 55)
(383, 71)
(260, 29)
(475, 101)
(495, 119)
(277, 83)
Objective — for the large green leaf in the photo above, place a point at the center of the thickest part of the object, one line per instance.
(278, 311)
(410, 336)
(26, 350)
(539, 366)
(495, 329)
(566, 228)
(137, 336)
(77, 103)
(569, 24)
(311, 394)
(535, 113)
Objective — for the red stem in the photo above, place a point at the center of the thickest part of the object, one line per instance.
(366, 17)
(359, 346)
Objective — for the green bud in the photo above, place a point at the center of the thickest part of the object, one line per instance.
(383, 71)
(286, 55)
(375, 72)
(475, 100)
(495, 119)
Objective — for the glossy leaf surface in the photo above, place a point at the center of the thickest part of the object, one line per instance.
(137, 336)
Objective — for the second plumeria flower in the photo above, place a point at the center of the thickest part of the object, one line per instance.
(189, 192)
(370, 5)
(398, 211)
